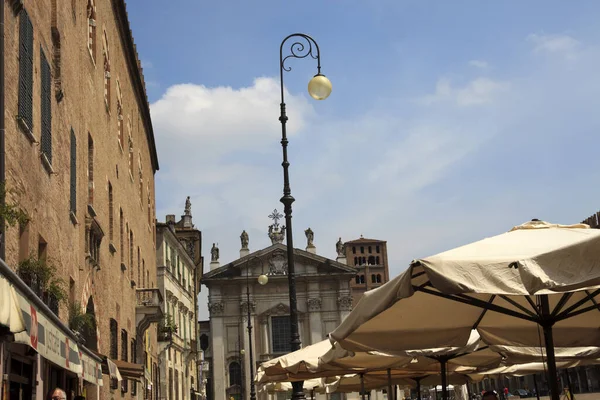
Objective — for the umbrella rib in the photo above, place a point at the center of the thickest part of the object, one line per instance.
(531, 303)
(575, 313)
(565, 314)
(476, 324)
(520, 307)
(561, 303)
(593, 300)
(478, 303)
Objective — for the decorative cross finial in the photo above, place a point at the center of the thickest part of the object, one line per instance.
(275, 216)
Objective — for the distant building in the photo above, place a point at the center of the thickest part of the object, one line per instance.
(323, 298)
(179, 269)
(369, 257)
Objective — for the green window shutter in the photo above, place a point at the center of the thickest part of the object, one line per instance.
(26, 69)
(73, 172)
(46, 142)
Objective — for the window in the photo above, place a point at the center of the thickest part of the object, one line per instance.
(131, 249)
(280, 334)
(362, 250)
(378, 278)
(130, 150)
(141, 179)
(106, 72)
(46, 108)
(371, 260)
(114, 347)
(26, 71)
(357, 279)
(235, 374)
(73, 176)
(353, 250)
(91, 14)
(373, 278)
(149, 206)
(133, 360)
(369, 249)
(171, 383)
(90, 170)
(362, 279)
(364, 260)
(120, 122)
(377, 260)
(122, 232)
(111, 213)
(377, 249)
(138, 265)
(124, 347)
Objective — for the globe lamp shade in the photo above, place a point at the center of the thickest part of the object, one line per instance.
(319, 87)
(263, 279)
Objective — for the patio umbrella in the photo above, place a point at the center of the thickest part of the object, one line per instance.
(537, 285)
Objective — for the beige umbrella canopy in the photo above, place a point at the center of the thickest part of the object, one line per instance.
(528, 368)
(536, 285)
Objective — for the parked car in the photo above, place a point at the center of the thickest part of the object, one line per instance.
(522, 393)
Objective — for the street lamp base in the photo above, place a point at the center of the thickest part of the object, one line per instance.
(297, 391)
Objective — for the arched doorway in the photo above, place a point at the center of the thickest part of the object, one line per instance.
(90, 333)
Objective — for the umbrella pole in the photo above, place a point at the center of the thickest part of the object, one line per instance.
(549, 342)
(535, 385)
(362, 386)
(418, 388)
(389, 376)
(443, 364)
(312, 394)
(469, 391)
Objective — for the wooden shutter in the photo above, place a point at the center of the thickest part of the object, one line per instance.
(26, 69)
(73, 172)
(46, 107)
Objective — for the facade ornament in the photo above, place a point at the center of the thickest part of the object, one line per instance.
(244, 307)
(340, 247)
(313, 304)
(188, 206)
(216, 308)
(345, 303)
(310, 236)
(278, 264)
(245, 240)
(214, 253)
(281, 309)
(276, 232)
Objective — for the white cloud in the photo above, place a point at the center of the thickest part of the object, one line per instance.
(556, 43)
(478, 64)
(479, 91)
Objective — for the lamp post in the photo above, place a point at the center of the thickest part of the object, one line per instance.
(262, 279)
(319, 88)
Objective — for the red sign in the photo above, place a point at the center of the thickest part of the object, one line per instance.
(33, 332)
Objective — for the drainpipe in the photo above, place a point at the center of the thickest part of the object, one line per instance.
(2, 130)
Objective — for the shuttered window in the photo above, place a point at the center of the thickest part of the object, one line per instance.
(73, 202)
(26, 70)
(46, 141)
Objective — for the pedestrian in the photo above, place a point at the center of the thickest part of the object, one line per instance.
(489, 395)
(505, 393)
(58, 394)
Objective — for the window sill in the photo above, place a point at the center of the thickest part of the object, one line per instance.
(73, 217)
(26, 130)
(112, 248)
(132, 284)
(123, 267)
(91, 211)
(46, 163)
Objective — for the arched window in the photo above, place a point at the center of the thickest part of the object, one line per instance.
(141, 178)
(371, 260)
(235, 374)
(377, 249)
(357, 279)
(369, 249)
(353, 249)
(359, 261)
(364, 260)
(120, 122)
(91, 15)
(362, 279)
(106, 72)
(373, 278)
(362, 250)
(378, 278)
(355, 260)
(377, 260)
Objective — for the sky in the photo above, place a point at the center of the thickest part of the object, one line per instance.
(449, 121)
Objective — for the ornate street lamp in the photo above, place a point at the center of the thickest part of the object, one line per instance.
(262, 279)
(319, 88)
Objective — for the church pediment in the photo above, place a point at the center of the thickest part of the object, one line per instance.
(272, 261)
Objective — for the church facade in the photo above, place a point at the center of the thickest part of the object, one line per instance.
(323, 296)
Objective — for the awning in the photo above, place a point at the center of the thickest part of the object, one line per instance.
(118, 369)
(91, 365)
(10, 312)
(44, 331)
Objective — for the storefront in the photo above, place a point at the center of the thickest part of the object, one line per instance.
(44, 354)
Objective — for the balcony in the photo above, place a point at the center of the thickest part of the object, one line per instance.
(148, 308)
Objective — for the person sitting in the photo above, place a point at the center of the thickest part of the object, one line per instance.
(489, 395)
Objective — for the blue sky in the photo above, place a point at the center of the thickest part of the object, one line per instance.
(448, 121)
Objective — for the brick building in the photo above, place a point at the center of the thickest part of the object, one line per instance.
(80, 163)
(369, 257)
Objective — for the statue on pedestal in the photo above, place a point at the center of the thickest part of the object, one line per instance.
(339, 247)
(214, 253)
(245, 240)
(310, 236)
